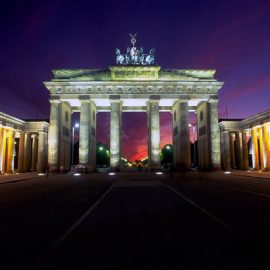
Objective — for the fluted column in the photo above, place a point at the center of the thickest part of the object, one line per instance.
(232, 150)
(92, 156)
(153, 135)
(84, 132)
(2, 148)
(239, 150)
(34, 153)
(261, 148)
(266, 146)
(255, 149)
(115, 135)
(27, 152)
(21, 152)
(245, 151)
(53, 134)
(41, 151)
(226, 149)
(10, 152)
(181, 139)
(214, 135)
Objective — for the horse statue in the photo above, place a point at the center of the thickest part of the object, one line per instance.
(150, 58)
(120, 59)
(128, 56)
(141, 56)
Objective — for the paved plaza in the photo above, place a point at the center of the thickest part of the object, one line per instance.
(146, 220)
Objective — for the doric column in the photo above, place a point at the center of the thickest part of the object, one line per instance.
(92, 156)
(53, 135)
(21, 153)
(84, 132)
(261, 148)
(215, 135)
(34, 152)
(153, 135)
(41, 151)
(27, 152)
(245, 151)
(115, 134)
(226, 150)
(181, 140)
(232, 138)
(10, 152)
(266, 146)
(2, 148)
(239, 149)
(255, 148)
(3, 140)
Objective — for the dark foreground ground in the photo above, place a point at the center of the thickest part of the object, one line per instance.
(136, 221)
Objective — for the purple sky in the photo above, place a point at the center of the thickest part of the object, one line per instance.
(232, 37)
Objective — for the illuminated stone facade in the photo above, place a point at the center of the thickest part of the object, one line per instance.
(133, 88)
(23, 145)
(245, 144)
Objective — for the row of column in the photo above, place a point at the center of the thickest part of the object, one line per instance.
(87, 142)
(31, 151)
(240, 146)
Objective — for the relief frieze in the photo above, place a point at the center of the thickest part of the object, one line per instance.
(129, 89)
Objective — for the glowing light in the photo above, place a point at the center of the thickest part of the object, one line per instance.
(76, 174)
(159, 173)
(100, 148)
(111, 173)
(40, 174)
(76, 125)
(227, 172)
(168, 147)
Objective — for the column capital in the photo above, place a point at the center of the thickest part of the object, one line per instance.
(84, 98)
(213, 100)
(154, 97)
(114, 97)
(55, 100)
(183, 98)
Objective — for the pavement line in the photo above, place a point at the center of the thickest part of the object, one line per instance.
(216, 219)
(77, 223)
(247, 191)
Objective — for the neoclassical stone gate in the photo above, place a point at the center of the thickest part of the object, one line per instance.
(126, 88)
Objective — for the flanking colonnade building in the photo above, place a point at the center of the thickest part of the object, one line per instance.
(23, 144)
(134, 88)
(245, 144)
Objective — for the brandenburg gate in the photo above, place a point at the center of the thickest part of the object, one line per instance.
(134, 84)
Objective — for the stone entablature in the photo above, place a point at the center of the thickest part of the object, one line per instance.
(12, 122)
(256, 120)
(132, 82)
(164, 89)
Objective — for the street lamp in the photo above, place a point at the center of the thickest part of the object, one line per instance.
(72, 148)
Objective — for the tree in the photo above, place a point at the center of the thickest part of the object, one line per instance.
(102, 155)
(166, 154)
